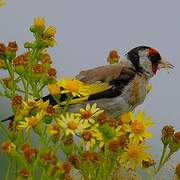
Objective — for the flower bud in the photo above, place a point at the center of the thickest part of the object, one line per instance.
(28, 45)
(39, 24)
(50, 31)
(114, 145)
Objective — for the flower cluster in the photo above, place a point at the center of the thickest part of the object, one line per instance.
(48, 138)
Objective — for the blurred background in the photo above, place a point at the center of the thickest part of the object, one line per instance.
(88, 30)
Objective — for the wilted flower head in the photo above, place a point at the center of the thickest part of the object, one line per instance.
(28, 152)
(148, 163)
(176, 137)
(114, 145)
(102, 118)
(74, 159)
(66, 167)
(48, 158)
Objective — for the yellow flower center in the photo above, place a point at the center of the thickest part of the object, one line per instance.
(32, 121)
(138, 128)
(133, 153)
(72, 125)
(72, 86)
(86, 114)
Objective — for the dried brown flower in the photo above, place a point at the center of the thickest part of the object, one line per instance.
(50, 110)
(177, 171)
(8, 146)
(114, 145)
(49, 158)
(102, 118)
(20, 60)
(28, 152)
(90, 156)
(66, 167)
(2, 49)
(176, 137)
(7, 82)
(38, 69)
(46, 58)
(168, 131)
(113, 57)
(112, 122)
(16, 100)
(74, 159)
(67, 177)
(122, 139)
(12, 46)
(87, 135)
(52, 73)
(148, 163)
(24, 172)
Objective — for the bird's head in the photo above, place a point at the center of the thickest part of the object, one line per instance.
(147, 60)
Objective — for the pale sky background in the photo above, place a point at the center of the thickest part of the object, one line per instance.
(88, 29)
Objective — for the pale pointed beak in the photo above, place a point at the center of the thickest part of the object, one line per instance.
(165, 64)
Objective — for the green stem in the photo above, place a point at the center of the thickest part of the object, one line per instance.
(161, 160)
(8, 170)
(5, 131)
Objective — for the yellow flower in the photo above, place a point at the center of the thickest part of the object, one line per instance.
(30, 121)
(126, 118)
(30, 104)
(39, 23)
(92, 136)
(54, 89)
(42, 105)
(73, 86)
(137, 128)
(53, 129)
(90, 113)
(50, 31)
(134, 154)
(72, 124)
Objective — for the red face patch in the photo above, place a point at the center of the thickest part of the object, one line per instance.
(152, 51)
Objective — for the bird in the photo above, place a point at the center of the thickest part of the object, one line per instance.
(127, 81)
